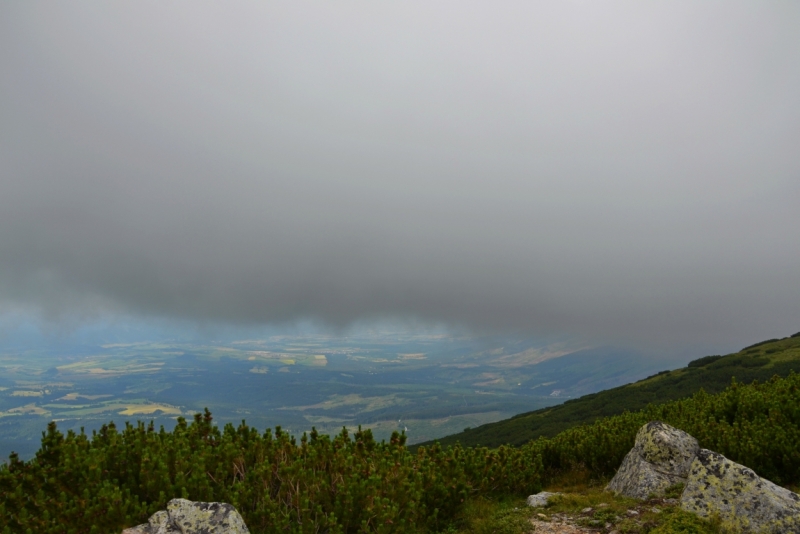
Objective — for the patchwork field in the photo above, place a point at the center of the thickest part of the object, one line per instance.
(426, 386)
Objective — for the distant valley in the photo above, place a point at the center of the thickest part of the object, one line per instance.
(427, 385)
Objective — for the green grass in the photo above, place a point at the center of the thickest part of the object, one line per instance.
(486, 516)
(513, 516)
(712, 374)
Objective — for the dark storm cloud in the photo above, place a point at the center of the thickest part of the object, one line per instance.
(613, 169)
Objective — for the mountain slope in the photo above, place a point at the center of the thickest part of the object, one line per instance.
(712, 373)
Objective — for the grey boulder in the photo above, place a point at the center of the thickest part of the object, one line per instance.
(660, 458)
(541, 499)
(739, 497)
(188, 517)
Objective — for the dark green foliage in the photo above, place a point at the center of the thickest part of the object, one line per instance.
(674, 491)
(344, 484)
(757, 425)
(512, 521)
(680, 522)
(712, 374)
(702, 362)
(754, 345)
(351, 483)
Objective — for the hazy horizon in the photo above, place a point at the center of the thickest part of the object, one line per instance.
(617, 173)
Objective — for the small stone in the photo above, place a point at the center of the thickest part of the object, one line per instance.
(542, 516)
(206, 517)
(608, 525)
(603, 505)
(541, 499)
(187, 517)
(670, 502)
(587, 510)
(655, 510)
(633, 513)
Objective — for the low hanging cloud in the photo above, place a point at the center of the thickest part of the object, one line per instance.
(618, 170)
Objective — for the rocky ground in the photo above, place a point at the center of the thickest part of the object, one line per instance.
(582, 508)
(613, 518)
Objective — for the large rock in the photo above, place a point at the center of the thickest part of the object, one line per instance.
(741, 499)
(187, 517)
(660, 458)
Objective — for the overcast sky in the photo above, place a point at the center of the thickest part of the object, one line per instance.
(622, 171)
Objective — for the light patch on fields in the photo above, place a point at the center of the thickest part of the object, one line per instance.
(101, 371)
(353, 399)
(28, 409)
(532, 356)
(3, 389)
(24, 393)
(107, 368)
(320, 359)
(412, 356)
(543, 384)
(259, 370)
(318, 419)
(144, 409)
(251, 358)
(491, 379)
(287, 361)
(76, 396)
(494, 382)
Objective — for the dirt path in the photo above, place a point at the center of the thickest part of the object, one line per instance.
(557, 527)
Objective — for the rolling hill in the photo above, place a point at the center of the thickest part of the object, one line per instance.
(759, 362)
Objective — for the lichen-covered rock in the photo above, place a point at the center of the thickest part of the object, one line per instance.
(541, 499)
(188, 517)
(160, 524)
(660, 458)
(139, 529)
(741, 499)
(213, 517)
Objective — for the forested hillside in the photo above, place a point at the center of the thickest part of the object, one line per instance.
(712, 373)
(117, 478)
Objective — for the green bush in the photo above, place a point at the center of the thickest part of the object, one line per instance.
(114, 479)
(757, 425)
(680, 522)
(351, 483)
(702, 362)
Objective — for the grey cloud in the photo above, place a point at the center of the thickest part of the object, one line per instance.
(624, 171)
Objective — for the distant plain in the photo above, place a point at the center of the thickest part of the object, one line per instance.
(428, 386)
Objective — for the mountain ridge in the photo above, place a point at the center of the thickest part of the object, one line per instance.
(713, 374)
